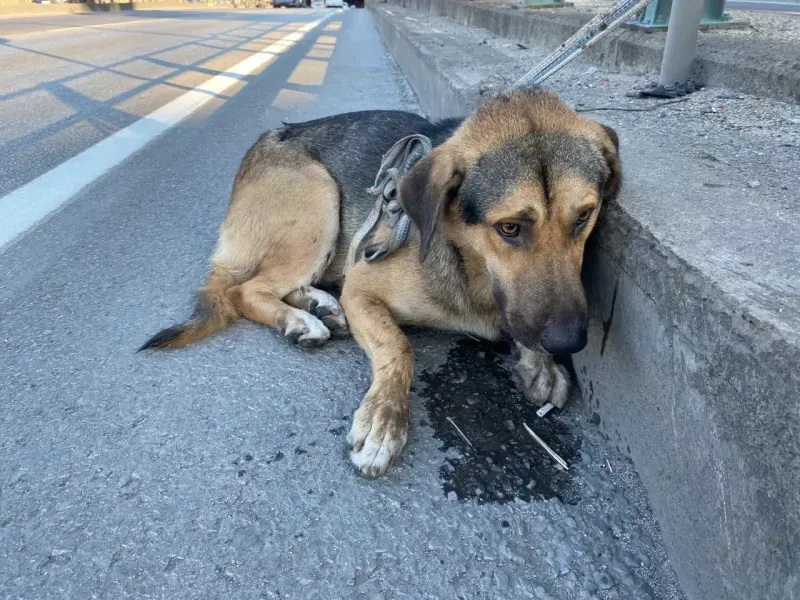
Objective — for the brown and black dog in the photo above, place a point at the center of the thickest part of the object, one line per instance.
(502, 208)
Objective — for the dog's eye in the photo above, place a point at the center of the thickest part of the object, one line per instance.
(583, 218)
(508, 229)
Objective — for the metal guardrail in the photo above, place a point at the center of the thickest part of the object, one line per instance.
(655, 16)
(684, 17)
(784, 6)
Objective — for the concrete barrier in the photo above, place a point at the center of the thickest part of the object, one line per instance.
(693, 367)
(746, 67)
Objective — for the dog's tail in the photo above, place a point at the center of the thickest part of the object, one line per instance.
(213, 312)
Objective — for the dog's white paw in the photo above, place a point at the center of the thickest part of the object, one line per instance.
(378, 434)
(323, 306)
(307, 331)
(540, 379)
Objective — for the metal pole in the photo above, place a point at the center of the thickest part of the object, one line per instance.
(681, 45)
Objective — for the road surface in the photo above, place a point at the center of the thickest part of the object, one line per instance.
(220, 471)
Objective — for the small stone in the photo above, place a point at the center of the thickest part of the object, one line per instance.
(563, 559)
(629, 560)
(603, 580)
(502, 580)
(452, 496)
(616, 530)
(594, 483)
(754, 184)
(509, 425)
(643, 559)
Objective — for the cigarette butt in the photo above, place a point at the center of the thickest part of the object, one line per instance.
(546, 408)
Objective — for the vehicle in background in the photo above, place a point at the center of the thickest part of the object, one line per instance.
(291, 3)
(334, 3)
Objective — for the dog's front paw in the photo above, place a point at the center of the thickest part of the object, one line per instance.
(379, 433)
(540, 379)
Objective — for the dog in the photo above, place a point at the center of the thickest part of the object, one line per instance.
(501, 210)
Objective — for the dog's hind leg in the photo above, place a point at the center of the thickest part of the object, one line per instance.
(288, 219)
(278, 235)
(259, 300)
(322, 305)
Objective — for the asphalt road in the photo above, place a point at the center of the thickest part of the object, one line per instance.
(220, 471)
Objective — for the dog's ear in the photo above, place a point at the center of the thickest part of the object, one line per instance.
(613, 182)
(427, 189)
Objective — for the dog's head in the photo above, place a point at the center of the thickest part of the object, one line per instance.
(519, 186)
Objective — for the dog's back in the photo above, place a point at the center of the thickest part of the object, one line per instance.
(350, 147)
(298, 199)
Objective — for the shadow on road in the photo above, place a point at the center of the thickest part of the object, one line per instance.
(247, 34)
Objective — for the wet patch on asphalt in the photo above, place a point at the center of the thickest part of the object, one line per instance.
(501, 462)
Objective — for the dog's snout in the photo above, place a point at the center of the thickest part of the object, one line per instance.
(564, 334)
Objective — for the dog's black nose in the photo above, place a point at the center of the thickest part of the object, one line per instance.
(564, 335)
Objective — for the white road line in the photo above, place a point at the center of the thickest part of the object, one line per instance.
(28, 205)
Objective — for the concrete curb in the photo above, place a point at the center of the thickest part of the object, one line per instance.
(736, 66)
(30, 9)
(697, 382)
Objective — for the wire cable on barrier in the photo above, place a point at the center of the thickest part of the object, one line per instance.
(586, 36)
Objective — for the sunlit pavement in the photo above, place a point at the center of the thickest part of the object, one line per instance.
(220, 471)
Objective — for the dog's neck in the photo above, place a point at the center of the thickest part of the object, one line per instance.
(479, 282)
(457, 275)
